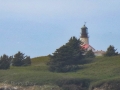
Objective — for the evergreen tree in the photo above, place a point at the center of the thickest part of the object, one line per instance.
(20, 59)
(111, 51)
(67, 57)
(89, 54)
(27, 61)
(5, 62)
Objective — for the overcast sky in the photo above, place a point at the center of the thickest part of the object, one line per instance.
(39, 27)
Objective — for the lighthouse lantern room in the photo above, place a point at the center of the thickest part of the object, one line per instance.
(84, 35)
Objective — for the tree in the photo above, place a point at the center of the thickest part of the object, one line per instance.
(5, 62)
(111, 51)
(20, 59)
(67, 57)
(89, 54)
(27, 61)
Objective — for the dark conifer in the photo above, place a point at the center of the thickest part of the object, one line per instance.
(89, 54)
(67, 57)
(111, 51)
(5, 62)
(20, 59)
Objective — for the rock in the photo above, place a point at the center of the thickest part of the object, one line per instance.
(10, 88)
(108, 86)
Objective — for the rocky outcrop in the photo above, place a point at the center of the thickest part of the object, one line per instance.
(44, 87)
(108, 86)
(8, 87)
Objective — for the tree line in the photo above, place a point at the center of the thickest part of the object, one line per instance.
(67, 58)
(19, 59)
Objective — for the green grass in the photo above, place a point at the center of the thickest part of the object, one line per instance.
(40, 60)
(101, 69)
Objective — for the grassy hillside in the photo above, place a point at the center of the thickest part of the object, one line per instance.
(99, 70)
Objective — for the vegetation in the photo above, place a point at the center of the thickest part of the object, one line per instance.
(89, 54)
(73, 84)
(95, 72)
(111, 51)
(66, 58)
(21, 60)
(92, 74)
(5, 62)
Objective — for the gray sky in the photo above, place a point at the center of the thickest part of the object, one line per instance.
(39, 27)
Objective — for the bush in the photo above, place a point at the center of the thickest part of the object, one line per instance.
(73, 84)
(66, 68)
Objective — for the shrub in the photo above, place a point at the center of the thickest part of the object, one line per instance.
(73, 84)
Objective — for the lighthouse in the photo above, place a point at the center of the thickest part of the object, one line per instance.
(84, 38)
(84, 35)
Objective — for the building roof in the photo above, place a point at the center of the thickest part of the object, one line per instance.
(99, 51)
(84, 27)
(87, 46)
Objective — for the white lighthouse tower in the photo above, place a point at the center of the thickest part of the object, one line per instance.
(84, 35)
(84, 38)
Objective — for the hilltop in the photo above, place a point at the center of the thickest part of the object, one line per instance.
(99, 71)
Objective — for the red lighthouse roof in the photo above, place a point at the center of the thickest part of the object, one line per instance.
(87, 47)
